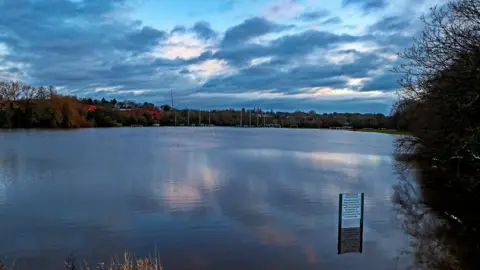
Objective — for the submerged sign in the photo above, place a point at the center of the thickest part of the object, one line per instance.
(350, 223)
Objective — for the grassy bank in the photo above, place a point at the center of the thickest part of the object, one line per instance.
(129, 262)
(386, 131)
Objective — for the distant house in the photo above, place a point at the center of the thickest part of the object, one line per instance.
(88, 107)
(127, 105)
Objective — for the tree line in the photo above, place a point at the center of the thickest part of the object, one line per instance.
(257, 117)
(26, 106)
(440, 106)
(440, 101)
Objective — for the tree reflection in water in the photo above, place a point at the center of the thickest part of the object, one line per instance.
(440, 208)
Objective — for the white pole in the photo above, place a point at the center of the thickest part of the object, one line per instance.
(173, 107)
(241, 118)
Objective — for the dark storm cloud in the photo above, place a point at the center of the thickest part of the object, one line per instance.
(306, 42)
(387, 81)
(394, 33)
(143, 39)
(89, 44)
(288, 102)
(284, 47)
(62, 8)
(242, 55)
(77, 44)
(333, 20)
(251, 28)
(130, 75)
(392, 43)
(13, 70)
(178, 29)
(274, 76)
(37, 21)
(313, 15)
(390, 24)
(269, 78)
(203, 30)
(367, 5)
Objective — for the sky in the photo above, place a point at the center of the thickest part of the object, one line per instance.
(323, 55)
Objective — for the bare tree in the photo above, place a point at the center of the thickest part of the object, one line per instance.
(11, 91)
(3, 90)
(441, 82)
(51, 91)
(28, 92)
(41, 92)
(450, 31)
(441, 76)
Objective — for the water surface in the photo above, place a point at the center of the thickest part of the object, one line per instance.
(204, 198)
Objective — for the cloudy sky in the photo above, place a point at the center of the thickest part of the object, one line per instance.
(326, 55)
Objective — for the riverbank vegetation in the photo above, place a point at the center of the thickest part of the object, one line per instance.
(26, 106)
(386, 131)
(440, 102)
(441, 106)
(128, 262)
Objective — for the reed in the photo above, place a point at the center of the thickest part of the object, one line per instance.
(128, 262)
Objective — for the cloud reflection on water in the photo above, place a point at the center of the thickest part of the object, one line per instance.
(310, 185)
(233, 202)
(345, 168)
(180, 196)
(273, 236)
(351, 159)
(184, 183)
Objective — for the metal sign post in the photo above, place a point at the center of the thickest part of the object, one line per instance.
(350, 223)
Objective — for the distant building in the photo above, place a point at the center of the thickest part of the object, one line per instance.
(126, 105)
(88, 108)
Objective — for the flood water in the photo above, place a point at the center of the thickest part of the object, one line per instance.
(203, 198)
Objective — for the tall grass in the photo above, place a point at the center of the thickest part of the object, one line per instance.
(128, 262)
